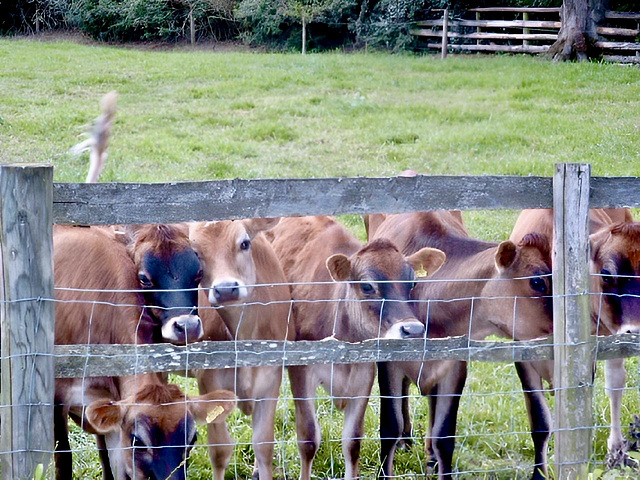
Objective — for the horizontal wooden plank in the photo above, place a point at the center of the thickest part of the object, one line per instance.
(108, 360)
(618, 32)
(495, 48)
(614, 192)
(517, 9)
(493, 23)
(429, 23)
(622, 15)
(122, 203)
(101, 360)
(622, 58)
(485, 35)
(618, 45)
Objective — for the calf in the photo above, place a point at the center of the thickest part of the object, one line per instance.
(243, 280)
(142, 426)
(169, 273)
(481, 289)
(615, 291)
(357, 292)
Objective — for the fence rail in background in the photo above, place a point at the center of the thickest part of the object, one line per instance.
(175, 202)
(617, 34)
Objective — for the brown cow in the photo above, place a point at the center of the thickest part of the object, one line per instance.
(615, 302)
(484, 288)
(236, 257)
(362, 294)
(142, 426)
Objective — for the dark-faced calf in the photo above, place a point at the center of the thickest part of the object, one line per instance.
(482, 289)
(142, 425)
(351, 292)
(615, 292)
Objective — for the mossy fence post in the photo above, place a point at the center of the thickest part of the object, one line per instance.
(573, 348)
(26, 319)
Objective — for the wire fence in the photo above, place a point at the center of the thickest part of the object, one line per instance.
(493, 438)
(491, 413)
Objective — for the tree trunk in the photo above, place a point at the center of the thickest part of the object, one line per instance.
(304, 35)
(577, 36)
(192, 27)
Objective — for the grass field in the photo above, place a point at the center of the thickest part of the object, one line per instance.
(205, 115)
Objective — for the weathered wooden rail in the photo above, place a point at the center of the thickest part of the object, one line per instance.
(30, 202)
(617, 34)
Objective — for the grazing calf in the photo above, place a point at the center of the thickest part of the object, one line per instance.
(367, 299)
(615, 290)
(143, 428)
(236, 257)
(486, 289)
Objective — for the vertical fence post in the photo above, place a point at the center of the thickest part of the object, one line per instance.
(525, 31)
(573, 351)
(445, 33)
(27, 326)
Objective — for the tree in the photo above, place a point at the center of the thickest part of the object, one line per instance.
(578, 34)
(305, 12)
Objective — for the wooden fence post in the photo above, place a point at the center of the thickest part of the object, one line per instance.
(573, 351)
(27, 326)
(445, 33)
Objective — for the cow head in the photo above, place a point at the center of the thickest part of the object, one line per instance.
(517, 299)
(150, 434)
(380, 280)
(225, 248)
(169, 273)
(615, 267)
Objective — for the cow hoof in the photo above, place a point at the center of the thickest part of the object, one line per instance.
(405, 444)
(255, 475)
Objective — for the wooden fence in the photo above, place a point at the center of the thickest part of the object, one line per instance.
(30, 203)
(494, 29)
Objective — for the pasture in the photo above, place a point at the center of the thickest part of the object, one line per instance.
(204, 115)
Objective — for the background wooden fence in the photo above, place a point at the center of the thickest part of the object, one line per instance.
(525, 30)
(30, 203)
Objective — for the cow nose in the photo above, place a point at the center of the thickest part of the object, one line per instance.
(183, 329)
(412, 330)
(226, 292)
(629, 329)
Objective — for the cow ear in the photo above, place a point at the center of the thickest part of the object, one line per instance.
(104, 415)
(506, 255)
(339, 267)
(256, 225)
(213, 407)
(426, 261)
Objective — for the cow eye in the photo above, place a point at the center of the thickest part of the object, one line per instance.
(245, 244)
(367, 288)
(136, 441)
(194, 438)
(537, 284)
(144, 280)
(413, 284)
(606, 276)
(198, 277)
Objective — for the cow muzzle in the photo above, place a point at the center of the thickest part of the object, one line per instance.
(227, 292)
(183, 329)
(409, 328)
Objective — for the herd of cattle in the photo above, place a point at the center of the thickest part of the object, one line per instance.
(309, 278)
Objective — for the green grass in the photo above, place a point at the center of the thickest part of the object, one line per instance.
(203, 115)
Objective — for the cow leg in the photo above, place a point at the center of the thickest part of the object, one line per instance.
(406, 440)
(262, 422)
(391, 384)
(63, 457)
(428, 445)
(307, 427)
(218, 438)
(103, 453)
(445, 417)
(352, 433)
(539, 416)
(614, 381)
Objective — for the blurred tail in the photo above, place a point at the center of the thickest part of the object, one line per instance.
(98, 140)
